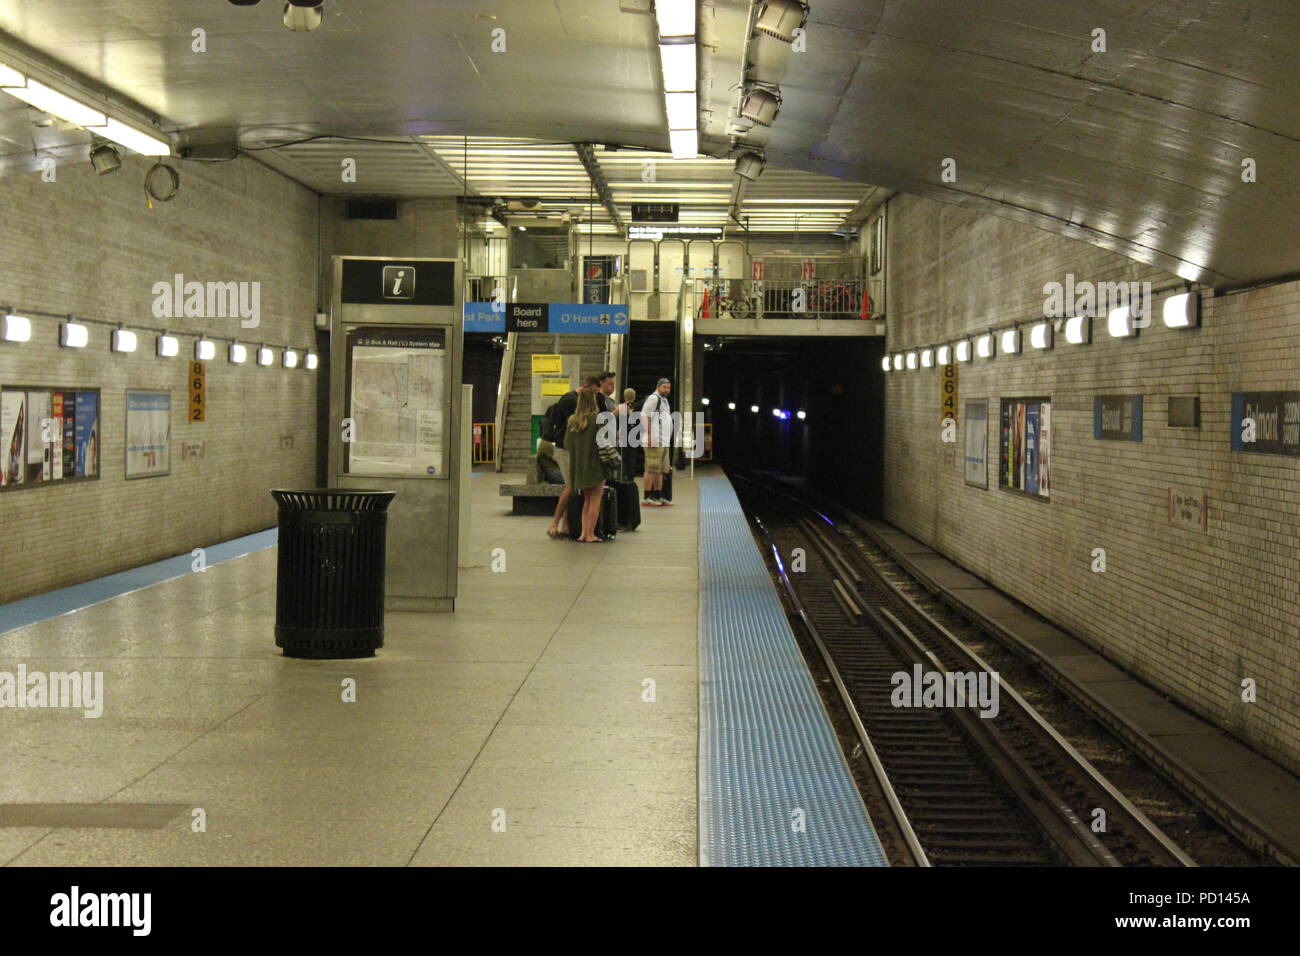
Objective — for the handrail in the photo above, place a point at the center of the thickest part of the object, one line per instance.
(505, 383)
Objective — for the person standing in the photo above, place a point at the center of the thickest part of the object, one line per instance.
(562, 410)
(605, 389)
(657, 431)
(585, 472)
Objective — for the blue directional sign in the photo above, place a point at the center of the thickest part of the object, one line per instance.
(556, 317)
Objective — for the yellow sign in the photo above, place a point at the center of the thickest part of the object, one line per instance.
(198, 409)
(555, 384)
(543, 364)
(948, 392)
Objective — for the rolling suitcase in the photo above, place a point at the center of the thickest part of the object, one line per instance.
(629, 505)
(606, 521)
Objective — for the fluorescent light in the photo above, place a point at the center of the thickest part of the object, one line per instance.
(205, 350)
(290, 358)
(124, 340)
(11, 77)
(945, 355)
(312, 360)
(1010, 343)
(1182, 311)
(984, 345)
(963, 350)
(17, 328)
(56, 104)
(678, 62)
(681, 109)
(168, 346)
(264, 356)
(1118, 324)
(676, 18)
(898, 362)
(73, 335)
(685, 143)
(1078, 330)
(238, 353)
(911, 360)
(927, 358)
(133, 139)
(1040, 335)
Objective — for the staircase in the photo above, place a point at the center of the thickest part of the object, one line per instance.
(652, 355)
(516, 449)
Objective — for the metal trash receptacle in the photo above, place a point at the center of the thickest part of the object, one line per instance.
(329, 589)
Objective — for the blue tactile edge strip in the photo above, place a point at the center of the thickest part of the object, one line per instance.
(767, 748)
(42, 607)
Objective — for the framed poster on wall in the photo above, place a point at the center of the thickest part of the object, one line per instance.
(148, 433)
(40, 431)
(977, 443)
(1024, 459)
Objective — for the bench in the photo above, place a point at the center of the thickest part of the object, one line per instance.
(534, 497)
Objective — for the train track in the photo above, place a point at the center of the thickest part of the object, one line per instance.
(957, 788)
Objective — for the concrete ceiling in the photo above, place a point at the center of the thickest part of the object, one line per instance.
(1137, 149)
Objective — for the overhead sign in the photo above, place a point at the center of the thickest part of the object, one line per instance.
(597, 319)
(655, 211)
(526, 317)
(1266, 423)
(394, 282)
(485, 317)
(674, 232)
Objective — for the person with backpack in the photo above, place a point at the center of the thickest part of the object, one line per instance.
(657, 432)
(555, 424)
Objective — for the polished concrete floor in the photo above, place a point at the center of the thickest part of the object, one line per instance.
(551, 720)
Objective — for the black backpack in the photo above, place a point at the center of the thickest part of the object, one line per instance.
(554, 424)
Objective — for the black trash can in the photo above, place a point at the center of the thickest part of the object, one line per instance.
(329, 589)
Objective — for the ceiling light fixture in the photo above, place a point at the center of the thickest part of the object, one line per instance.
(760, 106)
(780, 18)
(750, 165)
(37, 94)
(676, 18)
(303, 15)
(105, 158)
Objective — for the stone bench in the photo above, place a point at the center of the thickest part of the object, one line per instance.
(533, 497)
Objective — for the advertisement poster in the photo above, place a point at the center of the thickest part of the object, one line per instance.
(399, 402)
(38, 423)
(148, 433)
(13, 437)
(1025, 452)
(977, 443)
(86, 434)
(69, 435)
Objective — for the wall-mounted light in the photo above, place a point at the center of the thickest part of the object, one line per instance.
(1040, 335)
(238, 353)
(963, 350)
(265, 356)
(1078, 330)
(1182, 311)
(1010, 343)
(704, 401)
(911, 361)
(801, 414)
(886, 364)
(205, 350)
(944, 355)
(898, 362)
(312, 360)
(731, 406)
(984, 345)
(1119, 323)
(17, 328)
(927, 358)
(73, 335)
(124, 340)
(290, 358)
(754, 409)
(776, 412)
(168, 346)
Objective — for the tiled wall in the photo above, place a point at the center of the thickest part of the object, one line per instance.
(1192, 612)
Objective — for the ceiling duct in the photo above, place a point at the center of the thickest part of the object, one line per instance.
(780, 18)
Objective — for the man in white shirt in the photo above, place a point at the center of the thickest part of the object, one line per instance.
(657, 430)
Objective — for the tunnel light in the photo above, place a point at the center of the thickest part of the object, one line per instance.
(886, 364)
(731, 406)
(17, 328)
(168, 346)
(898, 362)
(1040, 335)
(984, 345)
(265, 356)
(927, 358)
(801, 414)
(1078, 330)
(911, 361)
(73, 335)
(704, 401)
(238, 353)
(290, 358)
(124, 340)
(56, 104)
(754, 409)
(945, 355)
(1119, 323)
(676, 18)
(963, 350)
(1182, 311)
(312, 360)
(678, 63)
(205, 350)
(684, 143)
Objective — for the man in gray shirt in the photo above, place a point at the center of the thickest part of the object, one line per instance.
(657, 432)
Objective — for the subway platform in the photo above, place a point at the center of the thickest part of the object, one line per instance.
(554, 719)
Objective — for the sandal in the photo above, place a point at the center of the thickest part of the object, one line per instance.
(553, 534)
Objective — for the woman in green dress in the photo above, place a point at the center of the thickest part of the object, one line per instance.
(585, 473)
